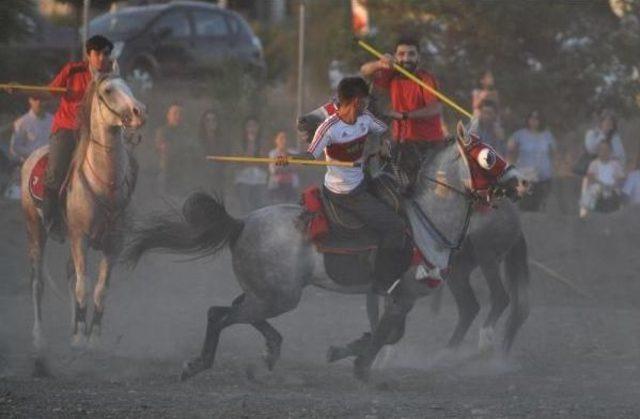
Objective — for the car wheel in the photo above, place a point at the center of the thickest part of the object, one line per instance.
(141, 79)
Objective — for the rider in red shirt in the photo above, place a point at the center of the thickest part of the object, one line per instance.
(416, 112)
(75, 77)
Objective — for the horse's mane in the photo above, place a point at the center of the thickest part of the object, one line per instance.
(84, 123)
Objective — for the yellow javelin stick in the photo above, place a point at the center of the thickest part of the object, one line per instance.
(239, 159)
(417, 80)
(31, 87)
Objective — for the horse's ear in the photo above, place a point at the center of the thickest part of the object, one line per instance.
(115, 68)
(462, 134)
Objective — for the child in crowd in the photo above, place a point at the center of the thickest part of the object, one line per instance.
(631, 188)
(283, 180)
(604, 178)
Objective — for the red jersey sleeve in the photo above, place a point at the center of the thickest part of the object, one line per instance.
(61, 79)
(382, 78)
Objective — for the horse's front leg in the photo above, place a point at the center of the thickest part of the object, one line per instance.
(389, 331)
(99, 294)
(79, 289)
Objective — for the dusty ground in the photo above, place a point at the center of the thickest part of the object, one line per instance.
(576, 357)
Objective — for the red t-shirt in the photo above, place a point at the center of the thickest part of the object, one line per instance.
(76, 77)
(406, 95)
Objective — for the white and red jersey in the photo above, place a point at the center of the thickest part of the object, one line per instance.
(345, 143)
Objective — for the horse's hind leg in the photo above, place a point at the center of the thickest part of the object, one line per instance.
(499, 302)
(37, 239)
(517, 273)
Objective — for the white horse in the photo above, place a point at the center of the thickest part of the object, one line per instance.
(101, 182)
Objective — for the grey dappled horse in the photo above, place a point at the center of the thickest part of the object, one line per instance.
(273, 261)
(101, 182)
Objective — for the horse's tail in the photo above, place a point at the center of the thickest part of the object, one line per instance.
(203, 229)
(517, 281)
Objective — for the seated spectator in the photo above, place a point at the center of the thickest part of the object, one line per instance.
(489, 128)
(532, 149)
(251, 180)
(174, 151)
(607, 130)
(283, 180)
(631, 188)
(601, 191)
(30, 131)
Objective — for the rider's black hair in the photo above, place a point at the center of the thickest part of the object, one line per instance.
(408, 40)
(98, 43)
(350, 88)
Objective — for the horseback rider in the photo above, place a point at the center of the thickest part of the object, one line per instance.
(342, 138)
(76, 78)
(416, 112)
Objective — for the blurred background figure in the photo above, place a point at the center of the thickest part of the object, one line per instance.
(251, 181)
(486, 91)
(212, 144)
(601, 190)
(489, 128)
(283, 180)
(605, 131)
(631, 188)
(174, 149)
(30, 131)
(532, 149)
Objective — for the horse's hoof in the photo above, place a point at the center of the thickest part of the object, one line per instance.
(191, 368)
(270, 359)
(79, 341)
(95, 342)
(486, 340)
(40, 368)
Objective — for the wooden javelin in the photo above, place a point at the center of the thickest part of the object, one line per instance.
(267, 160)
(422, 84)
(32, 87)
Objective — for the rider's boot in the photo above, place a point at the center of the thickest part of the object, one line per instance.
(51, 215)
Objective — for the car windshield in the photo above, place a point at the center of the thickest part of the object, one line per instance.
(119, 23)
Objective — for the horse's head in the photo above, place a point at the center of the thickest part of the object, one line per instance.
(115, 103)
(489, 170)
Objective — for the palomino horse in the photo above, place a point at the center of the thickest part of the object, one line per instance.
(100, 184)
(273, 260)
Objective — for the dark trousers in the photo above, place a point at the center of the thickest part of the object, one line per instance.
(62, 144)
(408, 156)
(389, 226)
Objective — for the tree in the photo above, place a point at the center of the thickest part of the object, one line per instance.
(12, 16)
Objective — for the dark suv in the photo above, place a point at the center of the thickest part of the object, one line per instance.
(183, 39)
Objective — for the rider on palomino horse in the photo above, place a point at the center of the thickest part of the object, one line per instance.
(342, 137)
(76, 78)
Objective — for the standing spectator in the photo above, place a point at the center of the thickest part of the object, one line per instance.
(212, 143)
(604, 177)
(283, 180)
(489, 129)
(486, 91)
(251, 181)
(532, 149)
(173, 148)
(30, 131)
(607, 131)
(416, 112)
(631, 188)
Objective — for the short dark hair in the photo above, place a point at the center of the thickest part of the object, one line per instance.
(489, 104)
(98, 43)
(350, 88)
(408, 40)
(541, 120)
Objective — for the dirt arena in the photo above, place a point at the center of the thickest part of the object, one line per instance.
(575, 357)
